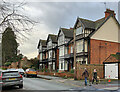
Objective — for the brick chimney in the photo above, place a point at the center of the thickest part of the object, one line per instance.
(109, 12)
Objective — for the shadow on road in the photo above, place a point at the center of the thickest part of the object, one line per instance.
(10, 89)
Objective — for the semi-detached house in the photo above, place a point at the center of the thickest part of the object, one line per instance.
(64, 36)
(96, 40)
(52, 51)
(43, 56)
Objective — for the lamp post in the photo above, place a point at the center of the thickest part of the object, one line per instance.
(74, 45)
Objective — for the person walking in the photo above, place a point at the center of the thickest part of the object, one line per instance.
(86, 75)
(94, 76)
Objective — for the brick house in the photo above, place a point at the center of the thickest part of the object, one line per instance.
(64, 36)
(96, 40)
(69, 56)
(42, 50)
(52, 52)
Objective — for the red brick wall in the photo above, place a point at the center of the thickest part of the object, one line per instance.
(90, 68)
(100, 50)
(67, 75)
(69, 50)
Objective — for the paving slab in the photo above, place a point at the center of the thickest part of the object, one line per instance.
(79, 84)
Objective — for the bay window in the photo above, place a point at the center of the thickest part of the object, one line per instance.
(61, 51)
(79, 45)
(71, 51)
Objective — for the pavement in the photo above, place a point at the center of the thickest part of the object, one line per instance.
(48, 77)
(114, 85)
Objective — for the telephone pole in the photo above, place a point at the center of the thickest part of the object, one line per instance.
(74, 45)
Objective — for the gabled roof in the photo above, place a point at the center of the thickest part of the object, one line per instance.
(67, 32)
(99, 22)
(53, 38)
(43, 43)
(95, 25)
(87, 23)
(91, 24)
(113, 58)
(102, 21)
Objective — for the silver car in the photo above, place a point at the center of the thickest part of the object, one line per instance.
(21, 71)
(11, 78)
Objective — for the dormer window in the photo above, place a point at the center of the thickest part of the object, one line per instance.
(79, 30)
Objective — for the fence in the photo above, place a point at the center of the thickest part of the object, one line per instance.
(90, 68)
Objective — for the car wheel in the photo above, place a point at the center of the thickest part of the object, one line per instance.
(24, 75)
(21, 86)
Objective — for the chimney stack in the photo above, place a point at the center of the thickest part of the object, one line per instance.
(109, 12)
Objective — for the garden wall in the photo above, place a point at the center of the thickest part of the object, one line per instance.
(90, 68)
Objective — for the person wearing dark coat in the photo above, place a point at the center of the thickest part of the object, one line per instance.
(86, 75)
(94, 76)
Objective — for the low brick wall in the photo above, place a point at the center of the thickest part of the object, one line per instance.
(90, 68)
(67, 75)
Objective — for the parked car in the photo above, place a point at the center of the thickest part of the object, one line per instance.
(30, 72)
(11, 78)
(12, 69)
(21, 71)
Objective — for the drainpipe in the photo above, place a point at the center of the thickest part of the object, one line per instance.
(74, 45)
(84, 45)
(83, 49)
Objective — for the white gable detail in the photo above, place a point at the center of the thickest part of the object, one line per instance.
(61, 38)
(109, 31)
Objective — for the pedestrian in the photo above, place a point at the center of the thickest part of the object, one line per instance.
(86, 75)
(94, 76)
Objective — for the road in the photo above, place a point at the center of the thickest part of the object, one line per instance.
(40, 84)
(37, 84)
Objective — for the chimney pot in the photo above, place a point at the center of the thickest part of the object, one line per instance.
(109, 12)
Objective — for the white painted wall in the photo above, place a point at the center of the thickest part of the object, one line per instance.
(49, 44)
(61, 38)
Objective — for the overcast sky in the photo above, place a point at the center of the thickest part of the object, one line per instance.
(54, 15)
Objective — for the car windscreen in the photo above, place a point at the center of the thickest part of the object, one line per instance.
(5, 74)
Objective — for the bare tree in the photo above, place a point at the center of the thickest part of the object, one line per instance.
(11, 16)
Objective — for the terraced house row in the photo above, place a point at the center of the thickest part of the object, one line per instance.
(95, 41)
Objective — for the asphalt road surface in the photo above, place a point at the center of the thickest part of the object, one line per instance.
(37, 84)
